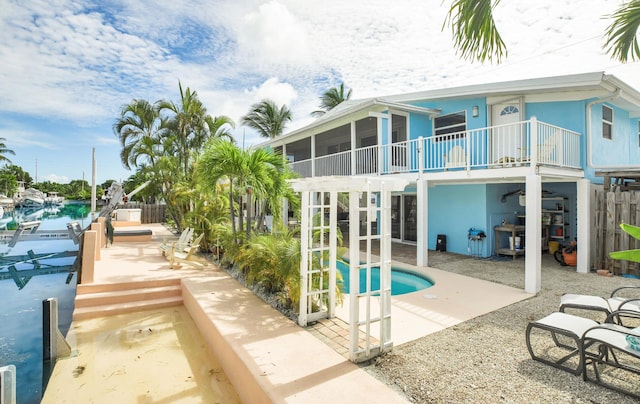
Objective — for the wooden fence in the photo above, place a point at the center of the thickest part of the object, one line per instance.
(151, 213)
(611, 209)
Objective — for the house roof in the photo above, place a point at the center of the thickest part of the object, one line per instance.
(583, 85)
(574, 83)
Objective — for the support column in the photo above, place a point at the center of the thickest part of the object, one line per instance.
(533, 234)
(89, 245)
(585, 221)
(354, 146)
(422, 239)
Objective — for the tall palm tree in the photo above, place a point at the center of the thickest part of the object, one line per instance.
(331, 99)
(267, 118)
(187, 123)
(476, 36)
(139, 130)
(4, 150)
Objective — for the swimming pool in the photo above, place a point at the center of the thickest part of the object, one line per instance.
(401, 281)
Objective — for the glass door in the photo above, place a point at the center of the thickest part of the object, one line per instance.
(396, 217)
(410, 218)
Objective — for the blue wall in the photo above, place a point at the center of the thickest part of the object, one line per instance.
(420, 126)
(453, 209)
(568, 115)
(622, 149)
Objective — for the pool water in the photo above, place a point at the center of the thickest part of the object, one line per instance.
(21, 309)
(401, 281)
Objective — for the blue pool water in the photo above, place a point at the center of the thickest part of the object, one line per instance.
(401, 281)
(21, 310)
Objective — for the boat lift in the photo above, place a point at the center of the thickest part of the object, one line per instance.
(28, 231)
(39, 266)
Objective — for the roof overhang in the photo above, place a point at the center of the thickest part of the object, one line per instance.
(337, 116)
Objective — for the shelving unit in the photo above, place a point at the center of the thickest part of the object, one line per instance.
(514, 230)
(554, 218)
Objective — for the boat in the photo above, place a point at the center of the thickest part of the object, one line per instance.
(6, 201)
(53, 199)
(31, 198)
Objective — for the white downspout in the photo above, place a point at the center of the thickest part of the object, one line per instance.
(613, 96)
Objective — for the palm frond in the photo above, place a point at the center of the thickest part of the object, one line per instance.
(475, 34)
(622, 35)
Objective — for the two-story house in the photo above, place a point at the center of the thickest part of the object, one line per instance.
(516, 160)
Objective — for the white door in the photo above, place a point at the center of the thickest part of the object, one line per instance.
(507, 145)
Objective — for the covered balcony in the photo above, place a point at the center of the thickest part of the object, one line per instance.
(526, 143)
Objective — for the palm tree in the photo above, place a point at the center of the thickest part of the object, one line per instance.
(476, 36)
(258, 173)
(331, 99)
(139, 131)
(187, 123)
(267, 118)
(4, 150)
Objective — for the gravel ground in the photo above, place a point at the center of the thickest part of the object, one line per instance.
(485, 360)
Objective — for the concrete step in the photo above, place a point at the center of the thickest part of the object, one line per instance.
(126, 295)
(84, 313)
(110, 287)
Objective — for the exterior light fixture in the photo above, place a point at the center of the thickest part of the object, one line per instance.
(475, 111)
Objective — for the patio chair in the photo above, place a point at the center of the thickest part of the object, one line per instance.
(183, 242)
(550, 151)
(599, 304)
(187, 255)
(611, 355)
(456, 158)
(566, 332)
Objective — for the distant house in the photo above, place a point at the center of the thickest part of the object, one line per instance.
(521, 152)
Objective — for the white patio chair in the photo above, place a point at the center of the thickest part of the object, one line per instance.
(183, 241)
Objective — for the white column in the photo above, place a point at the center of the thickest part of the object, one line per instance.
(353, 148)
(422, 239)
(333, 251)
(354, 256)
(305, 245)
(584, 224)
(313, 155)
(533, 234)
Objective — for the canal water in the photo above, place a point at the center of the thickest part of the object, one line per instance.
(21, 309)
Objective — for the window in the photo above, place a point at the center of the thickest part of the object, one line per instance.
(638, 133)
(509, 109)
(607, 122)
(451, 123)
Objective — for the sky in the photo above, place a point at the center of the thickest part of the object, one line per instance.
(68, 66)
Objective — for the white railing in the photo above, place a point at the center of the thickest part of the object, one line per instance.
(333, 164)
(498, 146)
(367, 160)
(558, 146)
(303, 168)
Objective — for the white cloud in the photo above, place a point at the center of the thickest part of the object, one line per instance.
(60, 179)
(272, 35)
(273, 89)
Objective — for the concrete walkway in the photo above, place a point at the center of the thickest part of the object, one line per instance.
(266, 357)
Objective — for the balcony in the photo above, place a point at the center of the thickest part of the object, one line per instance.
(527, 143)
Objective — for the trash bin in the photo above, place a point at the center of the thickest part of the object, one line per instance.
(441, 242)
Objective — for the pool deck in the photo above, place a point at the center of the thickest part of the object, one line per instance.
(267, 357)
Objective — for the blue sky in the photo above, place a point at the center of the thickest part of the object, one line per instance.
(66, 67)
